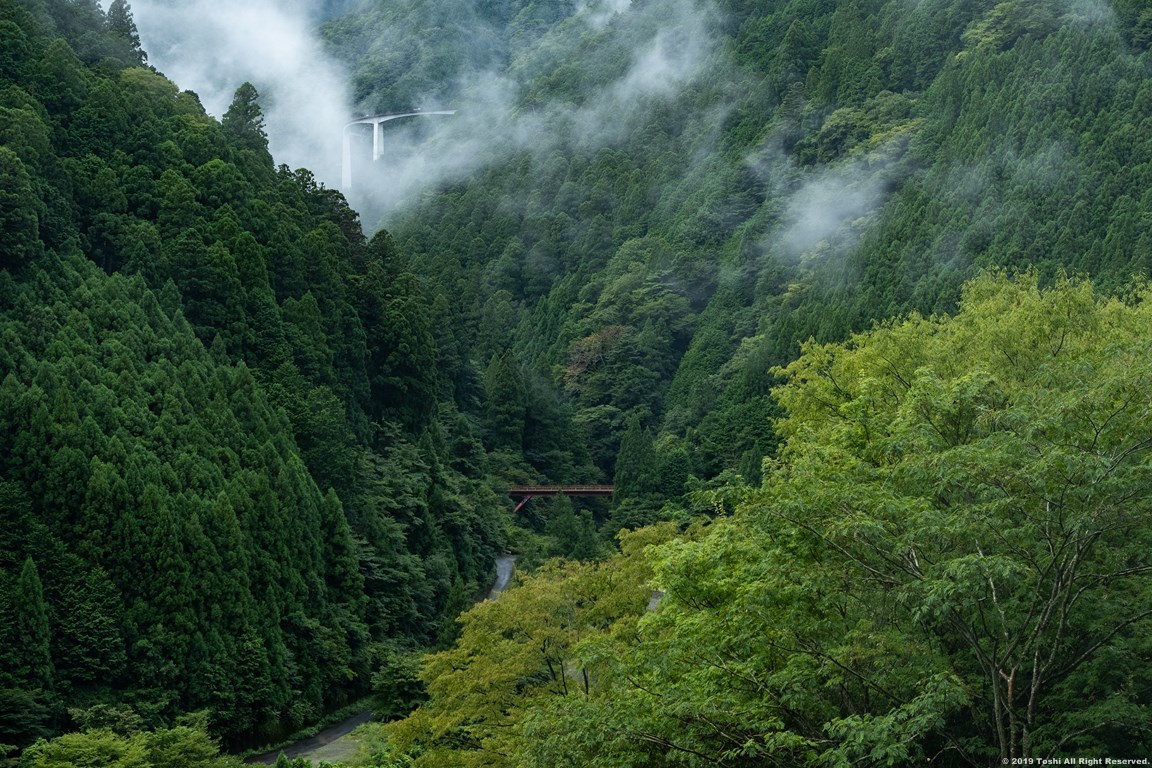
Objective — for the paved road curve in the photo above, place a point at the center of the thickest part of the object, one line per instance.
(504, 568)
(307, 746)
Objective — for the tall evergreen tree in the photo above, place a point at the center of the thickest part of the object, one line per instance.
(400, 345)
(121, 24)
(637, 471)
(32, 633)
(244, 120)
(19, 230)
(504, 403)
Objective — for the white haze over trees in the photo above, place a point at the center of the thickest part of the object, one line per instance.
(828, 204)
(213, 46)
(673, 45)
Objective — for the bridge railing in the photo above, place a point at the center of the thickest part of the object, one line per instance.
(556, 490)
(528, 492)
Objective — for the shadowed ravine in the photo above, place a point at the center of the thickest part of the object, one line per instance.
(325, 741)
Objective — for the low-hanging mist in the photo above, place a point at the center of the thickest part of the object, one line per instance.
(213, 47)
(664, 48)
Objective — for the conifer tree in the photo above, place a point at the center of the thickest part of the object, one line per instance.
(33, 654)
(87, 636)
(400, 346)
(14, 50)
(574, 533)
(244, 120)
(121, 24)
(504, 405)
(636, 467)
(19, 239)
(341, 566)
(674, 467)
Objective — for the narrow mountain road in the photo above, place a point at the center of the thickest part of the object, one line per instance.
(504, 567)
(308, 747)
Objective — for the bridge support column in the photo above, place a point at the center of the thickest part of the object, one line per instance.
(346, 162)
(377, 123)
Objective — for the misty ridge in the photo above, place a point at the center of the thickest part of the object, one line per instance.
(479, 62)
(606, 64)
(487, 65)
(617, 62)
(212, 47)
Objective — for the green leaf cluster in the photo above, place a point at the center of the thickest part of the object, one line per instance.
(948, 562)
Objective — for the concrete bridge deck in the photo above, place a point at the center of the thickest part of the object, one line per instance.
(377, 137)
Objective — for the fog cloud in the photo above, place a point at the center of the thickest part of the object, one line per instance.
(827, 205)
(212, 47)
(665, 45)
(597, 13)
(672, 59)
(1091, 12)
(824, 211)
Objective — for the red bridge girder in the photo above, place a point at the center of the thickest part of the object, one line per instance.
(527, 492)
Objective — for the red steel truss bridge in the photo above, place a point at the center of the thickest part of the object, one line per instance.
(526, 493)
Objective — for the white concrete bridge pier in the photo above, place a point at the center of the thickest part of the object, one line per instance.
(376, 121)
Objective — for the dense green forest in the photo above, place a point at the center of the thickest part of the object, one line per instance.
(233, 474)
(877, 501)
(790, 170)
(947, 562)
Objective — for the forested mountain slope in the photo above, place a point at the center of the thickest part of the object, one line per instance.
(673, 195)
(926, 544)
(252, 456)
(228, 472)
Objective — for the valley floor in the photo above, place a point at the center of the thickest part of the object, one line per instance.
(332, 744)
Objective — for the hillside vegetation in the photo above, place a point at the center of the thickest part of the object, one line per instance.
(677, 194)
(794, 276)
(229, 482)
(948, 563)
(675, 198)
